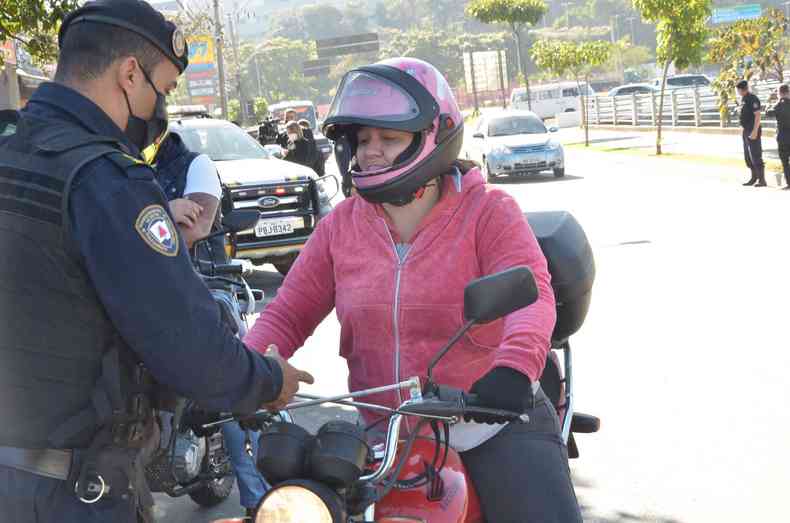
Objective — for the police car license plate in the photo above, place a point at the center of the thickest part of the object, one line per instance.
(278, 227)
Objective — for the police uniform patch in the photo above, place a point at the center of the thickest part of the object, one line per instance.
(157, 230)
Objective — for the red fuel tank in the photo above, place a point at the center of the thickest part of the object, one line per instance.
(459, 502)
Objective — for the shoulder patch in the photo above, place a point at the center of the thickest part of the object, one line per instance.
(157, 230)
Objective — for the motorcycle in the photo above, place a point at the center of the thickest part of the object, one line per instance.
(337, 477)
(191, 461)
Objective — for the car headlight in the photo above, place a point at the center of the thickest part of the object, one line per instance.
(300, 501)
(501, 149)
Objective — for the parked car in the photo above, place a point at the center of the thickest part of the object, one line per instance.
(515, 143)
(290, 197)
(629, 89)
(683, 81)
(549, 99)
(304, 109)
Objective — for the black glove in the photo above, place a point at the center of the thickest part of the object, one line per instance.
(195, 419)
(502, 388)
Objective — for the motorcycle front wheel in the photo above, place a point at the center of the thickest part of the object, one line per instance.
(213, 492)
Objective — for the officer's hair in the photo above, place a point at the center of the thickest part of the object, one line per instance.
(742, 85)
(89, 49)
(784, 89)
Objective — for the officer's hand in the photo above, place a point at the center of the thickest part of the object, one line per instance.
(291, 379)
(185, 211)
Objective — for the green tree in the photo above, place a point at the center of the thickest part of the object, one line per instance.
(681, 37)
(34, 24)
(234, 110)
(747, 49)
(574, 59)
(518, 15)
(261, 108)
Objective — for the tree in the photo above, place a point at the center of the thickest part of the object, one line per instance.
(574, 59)
(681, 37)
(517, 14)
(747, 49)
(34, 24)
(261, 108)
(234, 110)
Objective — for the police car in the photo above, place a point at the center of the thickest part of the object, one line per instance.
(290, 198)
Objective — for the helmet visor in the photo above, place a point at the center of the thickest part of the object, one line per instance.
(366, 97)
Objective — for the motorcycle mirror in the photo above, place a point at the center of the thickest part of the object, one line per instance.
(240, 220)
(489, 298)
(492, 297)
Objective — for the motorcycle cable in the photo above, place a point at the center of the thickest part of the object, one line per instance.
(390, 483)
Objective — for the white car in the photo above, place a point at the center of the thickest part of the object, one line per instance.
(630, 89)
(290, 197)
(515, 143)
(684, 81)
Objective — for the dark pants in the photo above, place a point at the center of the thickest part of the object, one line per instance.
(753, 155)
(28, 498)
(522, 475)
(784, 155)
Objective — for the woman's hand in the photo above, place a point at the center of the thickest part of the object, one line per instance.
(185, 211)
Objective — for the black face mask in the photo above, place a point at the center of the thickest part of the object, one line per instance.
(141, 132)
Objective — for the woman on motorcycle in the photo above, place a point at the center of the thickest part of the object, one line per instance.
(394, 260)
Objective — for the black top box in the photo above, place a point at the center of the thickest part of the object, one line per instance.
(571, 265)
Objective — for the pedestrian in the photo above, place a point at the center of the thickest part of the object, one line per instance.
(298, 149)
(393, 262)
(100, 303)
(318, 157)
(781, 112)
(752, 134)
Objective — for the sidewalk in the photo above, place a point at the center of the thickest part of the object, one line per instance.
(706, 148)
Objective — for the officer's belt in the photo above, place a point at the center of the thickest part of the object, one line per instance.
(50, 463)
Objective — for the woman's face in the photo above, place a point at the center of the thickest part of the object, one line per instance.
(377, 148)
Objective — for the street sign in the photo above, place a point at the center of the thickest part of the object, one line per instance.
(344, 45)
(726, 15)
(319, 67)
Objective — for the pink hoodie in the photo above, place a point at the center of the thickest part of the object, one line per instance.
(396, 315)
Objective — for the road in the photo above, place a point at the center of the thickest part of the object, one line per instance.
(683, 355)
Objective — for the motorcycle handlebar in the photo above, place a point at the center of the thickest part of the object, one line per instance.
(456, 403)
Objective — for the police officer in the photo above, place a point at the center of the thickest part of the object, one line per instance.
(752, 134)
(98, 297)
(781, 112)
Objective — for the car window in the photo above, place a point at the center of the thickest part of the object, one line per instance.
(221, 143)
(570, 92)
(511, 125)
(550, 94)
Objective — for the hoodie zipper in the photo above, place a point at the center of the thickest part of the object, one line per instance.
(396, 304)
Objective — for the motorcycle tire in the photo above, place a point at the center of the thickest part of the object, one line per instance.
(214, 492)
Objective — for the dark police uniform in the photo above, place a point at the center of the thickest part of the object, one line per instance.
(752, 149)
(782, 113)
(99, 300)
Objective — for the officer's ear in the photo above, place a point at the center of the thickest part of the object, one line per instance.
(128, 72)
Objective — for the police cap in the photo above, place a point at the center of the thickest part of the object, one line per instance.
(136, 16)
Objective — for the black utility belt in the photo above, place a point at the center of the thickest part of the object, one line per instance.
(110, 474)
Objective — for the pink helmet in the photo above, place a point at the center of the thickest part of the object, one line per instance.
(405, 94)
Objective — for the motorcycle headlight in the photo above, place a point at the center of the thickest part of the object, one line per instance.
(300, 501)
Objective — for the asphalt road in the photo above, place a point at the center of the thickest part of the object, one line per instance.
(684, 354)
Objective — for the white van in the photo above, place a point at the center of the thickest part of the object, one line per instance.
(550, 99)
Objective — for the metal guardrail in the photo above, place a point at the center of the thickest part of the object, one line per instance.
(698, 107)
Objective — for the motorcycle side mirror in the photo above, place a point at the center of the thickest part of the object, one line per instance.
(493, 297)
(489, 298)
(240, 220)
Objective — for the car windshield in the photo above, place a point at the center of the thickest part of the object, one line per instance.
(222, 142)
(512, 125)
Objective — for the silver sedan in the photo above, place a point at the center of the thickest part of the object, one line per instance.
(516, 143)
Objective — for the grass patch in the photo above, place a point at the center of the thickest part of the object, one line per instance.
(650, 152)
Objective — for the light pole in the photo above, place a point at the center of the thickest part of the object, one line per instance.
(633, 31)
(567, 15)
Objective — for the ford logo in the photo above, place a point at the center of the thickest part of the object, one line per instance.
(268, 202)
